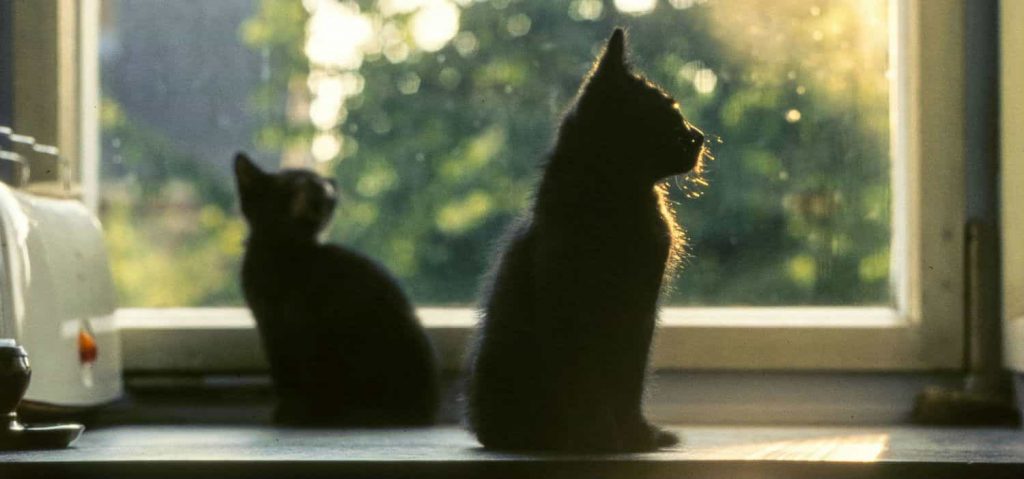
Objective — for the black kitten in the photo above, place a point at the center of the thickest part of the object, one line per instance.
(568, 319)
(344, 345)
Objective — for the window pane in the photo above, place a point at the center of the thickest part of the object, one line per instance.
(434, 116)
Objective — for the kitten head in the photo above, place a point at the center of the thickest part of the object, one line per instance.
(634, 121)
(291, 203)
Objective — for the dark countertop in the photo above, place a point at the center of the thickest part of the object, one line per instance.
(762, 452)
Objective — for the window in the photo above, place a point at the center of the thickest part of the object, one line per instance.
(816, 240)
(434, 123)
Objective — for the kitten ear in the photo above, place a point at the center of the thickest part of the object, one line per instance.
(614, 56)
(247, 173)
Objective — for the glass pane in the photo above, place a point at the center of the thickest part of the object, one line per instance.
(434, 116)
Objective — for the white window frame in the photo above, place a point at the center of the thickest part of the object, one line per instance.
(923, 330)
(1012, 175)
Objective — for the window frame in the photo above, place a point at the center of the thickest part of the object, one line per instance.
(923, 330)
(55, 91)
(1012, 176)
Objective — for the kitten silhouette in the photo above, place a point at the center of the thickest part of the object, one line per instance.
(567, 320)
(343, 342)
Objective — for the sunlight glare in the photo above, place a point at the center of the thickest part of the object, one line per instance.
(586, 10)
(396, 52)
(394, 7)
(395, 49)
(853, 448)
(335, 35)
(326, 146)
(635, 7)
(518, 25)
(466, 43)
(409, 83)
(681, 4)
(704, 81)
(325, 109)
(435, 24)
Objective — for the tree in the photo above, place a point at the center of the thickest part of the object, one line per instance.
(439, 139)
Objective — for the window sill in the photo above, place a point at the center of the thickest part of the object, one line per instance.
(838, 366)
(762, 339)
(190, 451)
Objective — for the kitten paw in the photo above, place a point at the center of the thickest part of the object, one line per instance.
(651, 438)
(663, 438)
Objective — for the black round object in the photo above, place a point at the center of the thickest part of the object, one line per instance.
(14, 378)
(15, 373)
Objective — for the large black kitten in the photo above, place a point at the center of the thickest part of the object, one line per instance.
(568, 319)
(344, 345)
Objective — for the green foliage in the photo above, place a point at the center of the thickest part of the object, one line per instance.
(173, 237)
(441, 150)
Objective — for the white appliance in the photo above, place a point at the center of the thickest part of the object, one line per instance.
(57, 299)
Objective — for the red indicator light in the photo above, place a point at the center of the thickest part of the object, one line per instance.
(87, 350)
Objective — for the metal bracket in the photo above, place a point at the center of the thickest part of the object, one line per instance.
(987, 397)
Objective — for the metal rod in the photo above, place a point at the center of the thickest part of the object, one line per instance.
(985, 344)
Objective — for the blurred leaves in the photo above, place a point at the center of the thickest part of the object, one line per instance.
(440, 150)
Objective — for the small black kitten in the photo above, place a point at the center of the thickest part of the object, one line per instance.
(343, 342)
(568, 319)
